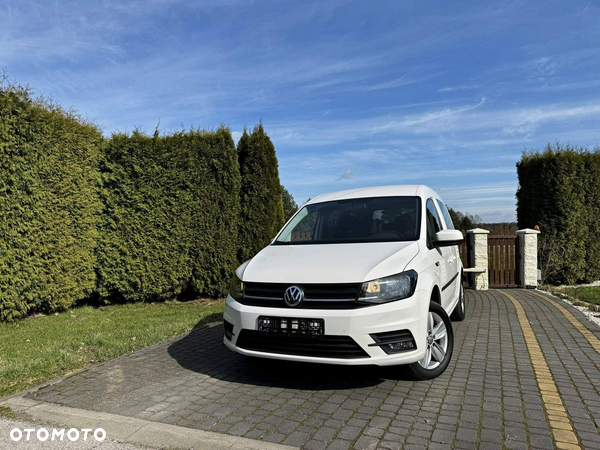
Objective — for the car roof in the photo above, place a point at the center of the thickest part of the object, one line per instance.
(378, 191)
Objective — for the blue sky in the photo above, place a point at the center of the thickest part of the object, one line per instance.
(352, 93)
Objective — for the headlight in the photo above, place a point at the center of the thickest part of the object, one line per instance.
(388, 289)
(236, 287)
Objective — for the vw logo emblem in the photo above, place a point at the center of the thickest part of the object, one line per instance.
(293, 296)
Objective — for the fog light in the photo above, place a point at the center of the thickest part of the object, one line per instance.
(401, 346)
(394, 341)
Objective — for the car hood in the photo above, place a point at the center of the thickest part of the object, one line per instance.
(328, 263)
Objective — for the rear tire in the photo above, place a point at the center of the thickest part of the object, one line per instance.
(460, 310)
(439, 344)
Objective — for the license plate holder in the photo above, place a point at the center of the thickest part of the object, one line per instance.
(291, 326)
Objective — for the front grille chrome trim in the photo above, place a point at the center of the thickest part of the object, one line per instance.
(259, 297)
(320, 296)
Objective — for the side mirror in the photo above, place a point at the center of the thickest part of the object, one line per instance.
(448, 238)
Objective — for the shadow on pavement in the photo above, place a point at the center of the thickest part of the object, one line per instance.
(203, 351)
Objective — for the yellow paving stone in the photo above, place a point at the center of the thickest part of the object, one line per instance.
(564, 445)
(566, 436)
(555, 399)
(591, 337)
(562, 429)
(553, 416)
(557, 411)
(561, 425)
(545, 386)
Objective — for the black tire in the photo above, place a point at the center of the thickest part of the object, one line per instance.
(417, 369)
(460, 310)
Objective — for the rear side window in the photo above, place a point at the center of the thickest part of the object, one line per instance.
(433, 222)
(446, 215)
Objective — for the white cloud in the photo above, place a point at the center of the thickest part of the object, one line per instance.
(490, 123)
(460, 87)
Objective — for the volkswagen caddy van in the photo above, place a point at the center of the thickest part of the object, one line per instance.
(363, 276)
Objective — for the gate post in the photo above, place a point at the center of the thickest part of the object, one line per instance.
(479, 257)
(528, 257)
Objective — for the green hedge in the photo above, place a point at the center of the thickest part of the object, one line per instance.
(49, 205)
(260, 194)
(171, 215)
(130, 218)
(559, 190)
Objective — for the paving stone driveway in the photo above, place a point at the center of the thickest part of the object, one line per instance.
(489, 396)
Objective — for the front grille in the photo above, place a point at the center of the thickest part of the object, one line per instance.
(316, 296)
(343, 347)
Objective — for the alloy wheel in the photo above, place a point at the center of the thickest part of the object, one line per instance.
(437, 342)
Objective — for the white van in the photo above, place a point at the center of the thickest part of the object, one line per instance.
(364, 276)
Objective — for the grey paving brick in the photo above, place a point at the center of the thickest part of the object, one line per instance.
(340, 444)
(315, 445)
(489, 395)
(366, 442)
(325, 434)
(443, 436)
(297, 439)
(538, 441)
(467, 435)
(373, 432)
(491, 436)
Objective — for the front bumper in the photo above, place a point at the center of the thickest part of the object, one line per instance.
(408, 314)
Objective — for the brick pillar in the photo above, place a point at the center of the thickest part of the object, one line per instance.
(528, 257)
(479, 257)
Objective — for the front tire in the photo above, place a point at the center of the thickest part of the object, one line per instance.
(439, 344)
(460, 310)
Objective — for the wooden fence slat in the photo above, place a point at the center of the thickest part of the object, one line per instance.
(502, 253)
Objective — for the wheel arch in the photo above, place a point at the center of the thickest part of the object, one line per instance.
(436, 295)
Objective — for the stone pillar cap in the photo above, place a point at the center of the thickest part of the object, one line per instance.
(528, 231)
(479, 231)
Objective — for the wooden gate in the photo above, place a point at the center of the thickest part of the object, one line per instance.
(503, 257)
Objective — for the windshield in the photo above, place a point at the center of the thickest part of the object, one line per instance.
(377, 219)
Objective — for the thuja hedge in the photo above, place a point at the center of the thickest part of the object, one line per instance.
(261, 192)
(171, 215)
(559, 190)
(49, 205)
(129, 218)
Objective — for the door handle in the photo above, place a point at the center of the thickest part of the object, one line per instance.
(437, 263)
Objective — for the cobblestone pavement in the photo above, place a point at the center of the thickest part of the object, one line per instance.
(491, 396)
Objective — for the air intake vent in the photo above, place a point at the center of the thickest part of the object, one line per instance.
(324, 347)
(228, 329)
